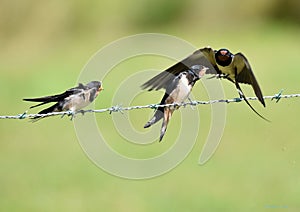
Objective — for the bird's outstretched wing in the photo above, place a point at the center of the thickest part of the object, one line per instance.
(204, 56)
(246, 75)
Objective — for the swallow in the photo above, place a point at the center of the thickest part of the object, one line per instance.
(176, 92)
(222, 64)
(71, 100)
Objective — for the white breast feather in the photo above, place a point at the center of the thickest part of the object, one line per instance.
(182, 90)
(77, 102)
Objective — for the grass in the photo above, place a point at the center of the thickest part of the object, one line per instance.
(255, 167)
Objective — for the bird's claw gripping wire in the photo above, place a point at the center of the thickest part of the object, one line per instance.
(69, 113)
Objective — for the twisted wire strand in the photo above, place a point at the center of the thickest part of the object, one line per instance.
(119, 108)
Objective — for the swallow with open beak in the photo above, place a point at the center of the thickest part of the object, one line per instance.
(221, 63)
(176, 92)
(71, 100)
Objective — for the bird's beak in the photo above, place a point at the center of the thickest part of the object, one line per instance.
(100, 88)
(203, 72)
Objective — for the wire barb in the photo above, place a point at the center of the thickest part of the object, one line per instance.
(153, 106)
(23, 115)
(277, 96)
(119, 108)
(238, 99)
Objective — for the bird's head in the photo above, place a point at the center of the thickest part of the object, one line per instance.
(199, 70)
(223, 57)
(95, 84)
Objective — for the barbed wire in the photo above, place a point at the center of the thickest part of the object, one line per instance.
(119, 108)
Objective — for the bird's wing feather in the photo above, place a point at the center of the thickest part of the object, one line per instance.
(163, 79)
(204, 56)
(55, 98)
(246, 75)
(159, 113)
(209, 61)
(170, 88)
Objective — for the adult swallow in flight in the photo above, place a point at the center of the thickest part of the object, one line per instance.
(221, 63)
(176, 92)
(71, 100)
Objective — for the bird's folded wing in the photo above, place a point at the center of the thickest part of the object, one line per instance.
(53, 98)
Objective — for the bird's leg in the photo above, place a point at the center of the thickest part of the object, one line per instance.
(70, 113)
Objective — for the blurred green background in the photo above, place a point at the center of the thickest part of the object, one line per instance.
(45, 44)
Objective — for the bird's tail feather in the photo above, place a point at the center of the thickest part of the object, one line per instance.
(43, 100)
(167, 116)
(51, 109)
(242, 95)
(158, 115)
(38, 104)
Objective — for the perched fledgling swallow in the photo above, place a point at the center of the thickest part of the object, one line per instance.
(71, 100)
(221, 63)
(176, 92)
